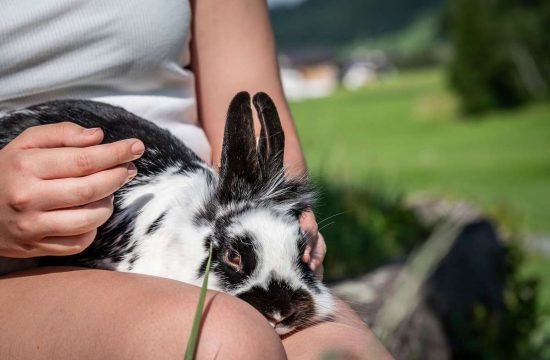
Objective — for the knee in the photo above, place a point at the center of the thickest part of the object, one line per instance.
(231, 329)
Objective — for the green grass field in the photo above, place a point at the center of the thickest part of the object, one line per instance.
(406, 132)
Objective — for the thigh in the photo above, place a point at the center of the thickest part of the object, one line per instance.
(347, 336)
(68, 313)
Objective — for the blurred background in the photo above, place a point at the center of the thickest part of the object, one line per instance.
(426, 126)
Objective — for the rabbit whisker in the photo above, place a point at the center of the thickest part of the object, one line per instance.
(331, 216)
(327, 224)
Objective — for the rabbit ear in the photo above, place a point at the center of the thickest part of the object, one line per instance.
(239, 161)
(272, 138)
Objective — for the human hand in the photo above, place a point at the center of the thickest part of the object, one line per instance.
(57, 183)
(316, 248)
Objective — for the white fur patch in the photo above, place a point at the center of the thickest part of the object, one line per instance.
(174, 250)
(276, 241)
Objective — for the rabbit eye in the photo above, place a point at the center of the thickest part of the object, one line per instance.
(233, 258)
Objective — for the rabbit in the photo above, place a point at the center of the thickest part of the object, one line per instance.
(166, 217)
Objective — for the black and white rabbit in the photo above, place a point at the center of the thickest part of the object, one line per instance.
(165, 218)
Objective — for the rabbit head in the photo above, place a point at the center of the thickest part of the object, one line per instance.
(254, 217)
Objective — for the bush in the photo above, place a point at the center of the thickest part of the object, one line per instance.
(501, 52)
(364, 227)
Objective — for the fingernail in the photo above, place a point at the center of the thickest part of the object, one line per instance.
(312, 265)
(132, 171)
(137, 148)
(90, 131)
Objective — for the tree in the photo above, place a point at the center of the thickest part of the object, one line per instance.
(501, 54)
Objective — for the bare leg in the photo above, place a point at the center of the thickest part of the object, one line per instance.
(346, 336)
(92, 314)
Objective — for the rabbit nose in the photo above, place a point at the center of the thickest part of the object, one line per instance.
(276, 318)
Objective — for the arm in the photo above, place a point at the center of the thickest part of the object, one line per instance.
(232, 50)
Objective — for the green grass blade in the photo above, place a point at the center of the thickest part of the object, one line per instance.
(193, 338)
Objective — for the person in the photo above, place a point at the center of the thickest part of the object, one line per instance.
(57, 179)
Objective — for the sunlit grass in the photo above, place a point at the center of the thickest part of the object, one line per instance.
(407, 130)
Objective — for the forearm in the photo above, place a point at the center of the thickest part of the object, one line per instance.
(233, 50)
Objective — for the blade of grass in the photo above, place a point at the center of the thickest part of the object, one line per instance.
(193, 338)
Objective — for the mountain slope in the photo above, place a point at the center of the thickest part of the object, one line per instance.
(333, 23)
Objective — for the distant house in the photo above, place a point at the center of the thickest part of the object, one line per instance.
(309, 74)
(359, 74)
(366, 69)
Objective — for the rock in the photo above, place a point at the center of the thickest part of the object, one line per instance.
(419, 336)
(410, 305)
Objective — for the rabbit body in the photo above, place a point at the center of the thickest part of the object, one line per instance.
(166, 217)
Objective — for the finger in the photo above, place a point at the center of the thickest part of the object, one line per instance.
(71, 192)
(316, 265)
(319, 272)
(319, 250)
(307, 254)
(310, 230)
(58, 135)
(318, 253)
(311, 245)
(308, 222)
(75, 221)
(65, 245)
(70, 162)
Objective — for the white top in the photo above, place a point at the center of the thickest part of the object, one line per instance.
(128, 53)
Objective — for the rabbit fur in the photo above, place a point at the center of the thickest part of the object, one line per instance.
(166, 217)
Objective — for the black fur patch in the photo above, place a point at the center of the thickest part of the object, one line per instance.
(132, 260)
(296, 307)
(155, 224)
(308, 277)
(239, 163)
(230, 278)
(211, 211)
